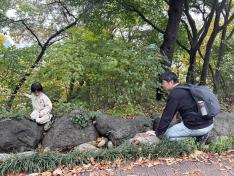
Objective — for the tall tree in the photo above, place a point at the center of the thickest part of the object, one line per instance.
(196, 36)
(224, 38)
(174, 16)
(45, 42)
(216, 29)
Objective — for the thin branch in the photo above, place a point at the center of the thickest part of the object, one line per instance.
(207, 24)
(187, 29)
(200, 53)
(229, 20)
(210, 67)
(202, 11)
(33, 33)
(59, 32)
(134, 9)
(64, 7)
(190, 19)
(51, 43)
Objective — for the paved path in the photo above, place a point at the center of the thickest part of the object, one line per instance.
(209, 167)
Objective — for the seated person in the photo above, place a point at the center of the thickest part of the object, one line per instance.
(42, 105)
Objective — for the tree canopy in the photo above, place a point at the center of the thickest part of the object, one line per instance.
(108, 55)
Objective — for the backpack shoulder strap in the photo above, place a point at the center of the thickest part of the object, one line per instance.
(185, 86)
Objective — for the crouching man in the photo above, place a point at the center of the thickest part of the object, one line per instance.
(180, 100)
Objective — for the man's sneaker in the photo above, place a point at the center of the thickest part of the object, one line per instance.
(201, 140)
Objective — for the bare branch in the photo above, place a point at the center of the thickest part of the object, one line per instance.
(229, 20)
(33, 33)
(59, 39)
(207, 24)
(200, 53)
(64, 7)
(187, 29)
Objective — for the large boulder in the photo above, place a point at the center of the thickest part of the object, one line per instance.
(64, 133)
(119, 129)
(19, 135)
(223, 126)
(157, 116)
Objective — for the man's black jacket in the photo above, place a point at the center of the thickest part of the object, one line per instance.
(180, 100)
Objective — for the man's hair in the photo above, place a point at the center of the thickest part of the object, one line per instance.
(36, 87)
(168, 76)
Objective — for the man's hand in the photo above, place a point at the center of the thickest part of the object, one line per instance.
(150, 133)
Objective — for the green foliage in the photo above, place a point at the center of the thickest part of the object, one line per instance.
(13, 64)
(100, 73)
(227, 69)
(15, 114)
(62, 108)
(82, 118)
(221, 145)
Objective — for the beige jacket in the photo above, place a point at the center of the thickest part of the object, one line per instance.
(40, 103)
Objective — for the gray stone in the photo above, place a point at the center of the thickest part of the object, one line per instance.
(6, 156)
(102, 142)
(145, 139)
(119, 129)
(19, 135)
(223, 126)
(94, 143)
(86, 147)
(157, 116)
(65, 133)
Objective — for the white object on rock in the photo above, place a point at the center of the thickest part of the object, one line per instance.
(85, 147)
(145, 139)
(109, 144)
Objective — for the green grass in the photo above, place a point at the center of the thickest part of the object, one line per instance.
(220, 145)
(127, 152)
(50, 160)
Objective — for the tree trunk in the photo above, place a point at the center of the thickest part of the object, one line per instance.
(23, 79)
(210, 42)
(207, 58)
(191, 70)
(217, 77)
(170, 36)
